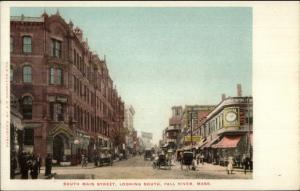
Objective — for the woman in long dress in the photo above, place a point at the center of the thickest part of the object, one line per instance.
(230, 165)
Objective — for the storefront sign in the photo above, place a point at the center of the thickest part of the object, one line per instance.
(231, 117)
(195, 138)
(62, 99)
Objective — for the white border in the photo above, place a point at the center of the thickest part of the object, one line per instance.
(275, 93)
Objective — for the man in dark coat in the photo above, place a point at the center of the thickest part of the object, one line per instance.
(48, 164)
(34, 169)
(13, 165)
(39, 162)
(24, 166)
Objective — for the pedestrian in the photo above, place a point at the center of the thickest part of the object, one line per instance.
(48, 164)
(202, 158)
(230, 165)
(25, 164)
(96, 158)
(83, 160)
(13, 165)
(39, 162)
(246, 164)
(34, 170)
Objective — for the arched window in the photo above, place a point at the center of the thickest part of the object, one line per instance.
(27, 44)
(27, 107)
(27, 74)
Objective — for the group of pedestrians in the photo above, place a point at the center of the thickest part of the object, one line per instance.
(246, 164)
(29, 164)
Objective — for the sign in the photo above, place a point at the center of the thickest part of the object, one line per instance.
(195, 138)
(146, 135)
(67, 152)
(231, 117)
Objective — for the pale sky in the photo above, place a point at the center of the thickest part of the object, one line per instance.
(161, 57)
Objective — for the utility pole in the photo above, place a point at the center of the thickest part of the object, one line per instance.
(191, 115)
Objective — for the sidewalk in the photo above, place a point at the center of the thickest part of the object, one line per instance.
(211, 167)
(40, 176)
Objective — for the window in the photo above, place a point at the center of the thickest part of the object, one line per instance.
(74, 57)
(27, 44)
(27, 107)
(28, 136)
(11, 44)
(27, 74)
(51, 75)
(59, 76)
(57, 111)
(56, 76)
(11, 74)
(56, 48)
(60, 112)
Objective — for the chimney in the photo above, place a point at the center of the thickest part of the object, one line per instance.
(239, 90)
(223, 97)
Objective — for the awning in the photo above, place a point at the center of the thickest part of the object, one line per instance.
(165, 145)
(188, 147)
(200, 144)
(228, 142)
(208, 144)
(16, 122)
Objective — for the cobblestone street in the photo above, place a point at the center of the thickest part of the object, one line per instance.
(138, 168)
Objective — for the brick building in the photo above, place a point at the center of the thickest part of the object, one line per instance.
(68, 100)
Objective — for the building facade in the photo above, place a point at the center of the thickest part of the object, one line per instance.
(192, 116)
(68, 101)
(227, 130)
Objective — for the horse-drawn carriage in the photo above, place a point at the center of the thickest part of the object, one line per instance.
(161, 161)
(187, 160)
(104, 157)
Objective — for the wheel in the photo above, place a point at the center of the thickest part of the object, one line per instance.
(154, 165)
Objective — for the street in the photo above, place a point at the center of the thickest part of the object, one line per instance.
(138, 168)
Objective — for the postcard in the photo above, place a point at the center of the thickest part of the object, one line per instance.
(149, 95)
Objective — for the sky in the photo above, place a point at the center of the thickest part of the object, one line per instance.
(162, 57)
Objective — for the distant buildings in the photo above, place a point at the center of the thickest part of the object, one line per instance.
(131, 134)
(146, 139)
(68, 100)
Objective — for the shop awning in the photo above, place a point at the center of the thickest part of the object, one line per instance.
(187, 148)
(228, 142)
(208, 144)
